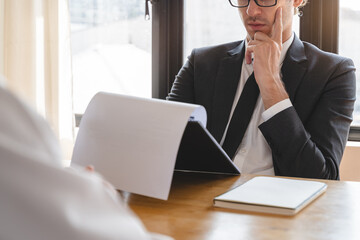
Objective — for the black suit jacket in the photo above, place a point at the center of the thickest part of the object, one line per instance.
(308, 139)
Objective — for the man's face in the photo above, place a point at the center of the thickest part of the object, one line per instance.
(261, 19)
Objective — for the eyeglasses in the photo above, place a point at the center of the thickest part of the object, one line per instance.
(260, 3)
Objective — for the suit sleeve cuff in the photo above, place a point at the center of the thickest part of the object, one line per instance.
(275, 109)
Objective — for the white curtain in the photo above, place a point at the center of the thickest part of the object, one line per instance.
(36, 60)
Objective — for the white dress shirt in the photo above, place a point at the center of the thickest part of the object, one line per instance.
(39, 200)
(254, 154)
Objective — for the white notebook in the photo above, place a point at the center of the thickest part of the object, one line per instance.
(271, 195)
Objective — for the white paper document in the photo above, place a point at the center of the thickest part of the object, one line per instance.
(133, 142)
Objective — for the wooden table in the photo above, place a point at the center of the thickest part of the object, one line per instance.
(189, 214)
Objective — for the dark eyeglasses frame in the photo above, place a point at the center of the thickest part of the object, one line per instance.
(249, 2)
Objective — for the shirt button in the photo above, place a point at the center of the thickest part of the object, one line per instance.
(243, 151)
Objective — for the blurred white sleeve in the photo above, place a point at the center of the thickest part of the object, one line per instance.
(39, 199)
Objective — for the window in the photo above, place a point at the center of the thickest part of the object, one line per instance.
(111, 49)
(348, 43)
(216, 23)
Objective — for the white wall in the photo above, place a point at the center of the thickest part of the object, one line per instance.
(350, 163)
(2, 18)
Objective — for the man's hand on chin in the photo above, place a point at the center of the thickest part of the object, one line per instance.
(266, 51)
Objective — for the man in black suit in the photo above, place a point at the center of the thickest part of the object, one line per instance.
(303, 97)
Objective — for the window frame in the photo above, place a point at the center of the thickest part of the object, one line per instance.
(319, 24)
(167, 44)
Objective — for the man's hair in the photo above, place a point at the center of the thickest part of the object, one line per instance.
(297, 10)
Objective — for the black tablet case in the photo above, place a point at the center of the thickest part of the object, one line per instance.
(200, 152)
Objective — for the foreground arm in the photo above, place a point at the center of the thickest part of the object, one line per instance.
(39, 199)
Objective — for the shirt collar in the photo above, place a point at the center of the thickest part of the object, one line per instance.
(285, 47)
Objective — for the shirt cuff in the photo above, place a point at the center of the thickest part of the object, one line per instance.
(275, 109)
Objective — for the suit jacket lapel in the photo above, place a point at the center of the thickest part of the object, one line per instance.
(226, 82)
(293, 70)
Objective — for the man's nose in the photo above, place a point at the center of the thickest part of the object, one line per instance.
(253, 9)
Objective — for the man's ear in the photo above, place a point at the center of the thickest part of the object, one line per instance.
(297, 3)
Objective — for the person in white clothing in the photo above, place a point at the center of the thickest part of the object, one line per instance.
(39, 199)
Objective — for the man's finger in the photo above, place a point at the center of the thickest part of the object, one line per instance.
(90, 168)
(260, 36)
(248, 54)
(278, 27)
(255, 42)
